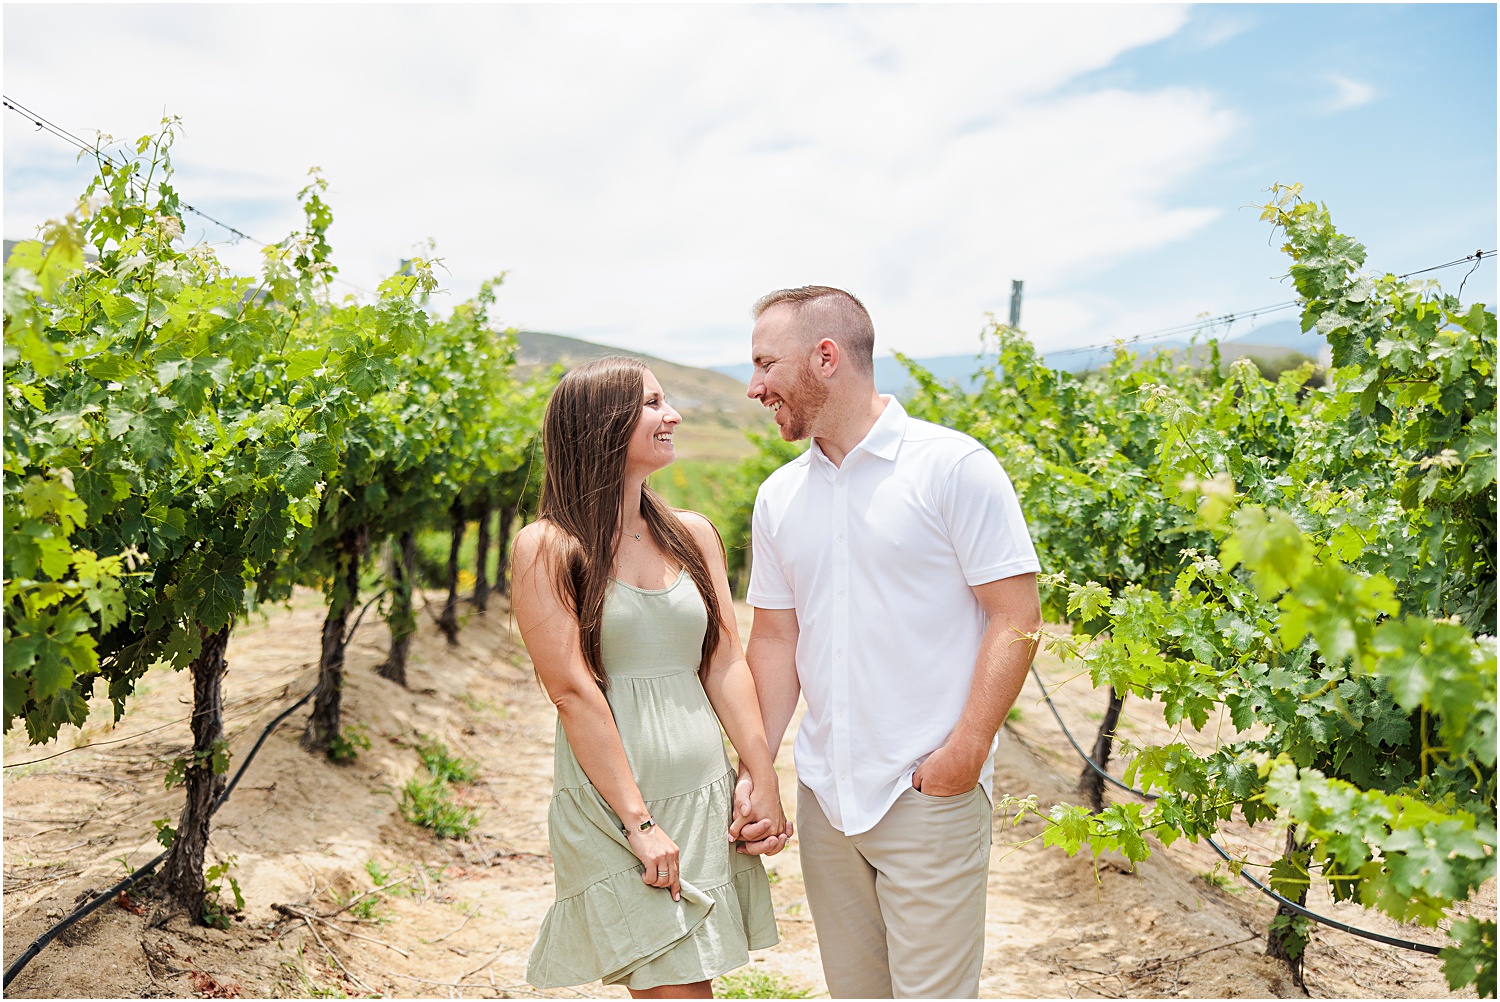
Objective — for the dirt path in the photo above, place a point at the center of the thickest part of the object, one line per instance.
(457, 918)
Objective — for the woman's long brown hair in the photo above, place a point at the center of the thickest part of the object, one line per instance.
(585, 437)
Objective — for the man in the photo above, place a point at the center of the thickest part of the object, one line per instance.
(894, 585)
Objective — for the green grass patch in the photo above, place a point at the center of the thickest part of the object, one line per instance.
(445, 765)
(432, 556)
(477, 704)
(748, 983)
(427, 801)
(696, 485)
(306, 986)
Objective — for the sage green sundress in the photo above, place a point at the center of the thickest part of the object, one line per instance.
(606, 925)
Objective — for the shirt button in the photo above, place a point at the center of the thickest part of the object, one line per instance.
(838, 539)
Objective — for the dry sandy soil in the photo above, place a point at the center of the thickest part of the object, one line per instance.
(462, 917)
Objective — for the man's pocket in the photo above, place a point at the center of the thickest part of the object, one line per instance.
(945, 800)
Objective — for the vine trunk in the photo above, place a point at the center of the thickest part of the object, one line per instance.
(183, 873)
(482, 559)
(1286, 941)
(502, 547)
(1091, 783)
(448, 621)
(402, 620)
(323, 724)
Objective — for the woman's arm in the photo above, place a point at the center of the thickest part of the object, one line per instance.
(550, 631)
(731, 689)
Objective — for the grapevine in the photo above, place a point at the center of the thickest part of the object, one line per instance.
(183, 445)
(1316, 561)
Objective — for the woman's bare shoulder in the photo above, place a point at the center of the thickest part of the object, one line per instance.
(535, 539)
(695, 521)
(703, 530)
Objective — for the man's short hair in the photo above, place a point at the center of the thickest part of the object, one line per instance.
(831, 313)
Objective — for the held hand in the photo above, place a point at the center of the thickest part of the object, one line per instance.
(949, 771)
(765, 805)
(658, 854)
(751, 831)
(742, 790)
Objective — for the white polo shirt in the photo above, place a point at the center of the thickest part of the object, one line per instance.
(877, 557)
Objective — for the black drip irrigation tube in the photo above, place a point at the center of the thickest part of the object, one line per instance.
(1285, 902)
(84, 911)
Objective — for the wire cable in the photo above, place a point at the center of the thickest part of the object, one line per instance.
(1229, 318)
(137, 734)
(1285, 902)
(40, 943)
(44, 124)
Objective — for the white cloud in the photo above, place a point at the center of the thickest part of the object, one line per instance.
(646, 173)
(1349, 93)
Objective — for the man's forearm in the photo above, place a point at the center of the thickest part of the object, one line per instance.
(1004, 656)
(999, 673)
(731, 692)
(773, 665)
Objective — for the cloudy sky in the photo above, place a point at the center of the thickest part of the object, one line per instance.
(644, 173)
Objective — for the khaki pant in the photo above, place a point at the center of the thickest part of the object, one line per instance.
(899, 909)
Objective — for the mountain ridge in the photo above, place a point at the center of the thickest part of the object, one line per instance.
(1279, 344)
(716, 413)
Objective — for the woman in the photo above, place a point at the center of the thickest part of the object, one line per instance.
(625, 608)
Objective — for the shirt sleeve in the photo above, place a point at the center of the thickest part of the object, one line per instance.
(769, 588)
(984, 521)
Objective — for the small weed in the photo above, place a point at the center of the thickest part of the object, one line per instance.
(346, 746)
(367, 907)
(1013, 715)
(1221, 881)
(428, 803)
(445, 765)
(388, 880)
(773, 877)
(309, 987)
(476, 704)
(215, 912)
(380, 876)
(752, 984)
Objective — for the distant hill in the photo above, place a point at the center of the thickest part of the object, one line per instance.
(715, 411)
(1278, 345)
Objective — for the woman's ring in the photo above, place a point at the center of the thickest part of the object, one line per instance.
(663, 873)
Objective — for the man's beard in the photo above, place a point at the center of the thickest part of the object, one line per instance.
(810, 396)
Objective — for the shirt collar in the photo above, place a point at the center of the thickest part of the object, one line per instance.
(883, 440)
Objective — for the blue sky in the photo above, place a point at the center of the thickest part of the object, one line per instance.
(1385, 113)
(644, 173)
